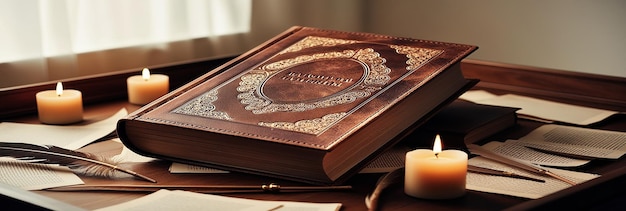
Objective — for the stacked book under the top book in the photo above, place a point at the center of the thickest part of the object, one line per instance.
(310, 105)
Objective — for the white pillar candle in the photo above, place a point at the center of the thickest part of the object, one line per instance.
(60, 106)
(145, 88)
(435, 174)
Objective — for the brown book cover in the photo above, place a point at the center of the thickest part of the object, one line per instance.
(311, 105)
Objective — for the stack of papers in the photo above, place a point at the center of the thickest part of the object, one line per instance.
(548, 145)
(520, 187)
(565, 146)
(576, 141)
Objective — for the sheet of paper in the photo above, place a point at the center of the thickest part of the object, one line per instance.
(520, 187)
(41, 202)
(542, 109)
(66, 136)
(128, 155)
(186, 168)
(184, 200)
(513, 149)
(31, 176)
(577, 141)
(476, 95)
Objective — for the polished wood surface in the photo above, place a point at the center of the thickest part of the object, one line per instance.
(392, 199)
(570, 87)
(599, 193)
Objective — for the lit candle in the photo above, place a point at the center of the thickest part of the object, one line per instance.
(435, 174)
(60, 106)
(145, 88)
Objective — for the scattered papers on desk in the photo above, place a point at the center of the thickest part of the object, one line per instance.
(30, 176)
(520, 187)
(67, 136)
(185, 200)
(577, 141)
(515, 149)
(541, 109)
(553, 141)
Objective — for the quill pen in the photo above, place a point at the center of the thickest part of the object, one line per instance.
(82, 162)
(393, 177)
(475, 149)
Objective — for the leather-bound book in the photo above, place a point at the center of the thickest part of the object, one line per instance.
(310, 105)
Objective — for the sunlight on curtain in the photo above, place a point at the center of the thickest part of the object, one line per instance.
(36, 31)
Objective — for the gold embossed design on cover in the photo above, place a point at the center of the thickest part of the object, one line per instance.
(417, 56)
(312, 41)
(375, 77)
(311, 126)
(203, 106)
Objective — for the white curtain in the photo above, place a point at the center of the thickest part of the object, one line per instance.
(43, 40)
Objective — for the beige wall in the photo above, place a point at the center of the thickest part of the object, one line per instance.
(270, 17)
(577, 35)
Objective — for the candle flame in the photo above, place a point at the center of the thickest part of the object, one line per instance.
(59, 89)
(145, 74)
(437, 145)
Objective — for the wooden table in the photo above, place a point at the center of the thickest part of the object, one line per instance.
(392, 199)
(596, 193)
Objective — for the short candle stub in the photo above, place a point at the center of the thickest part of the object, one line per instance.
(59, 107)
(441, 176)
(145, 88)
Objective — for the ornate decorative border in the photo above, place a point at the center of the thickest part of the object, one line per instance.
(203, 106)
(417, 56)
(376, 76)
(312, 41)
(310, 126)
